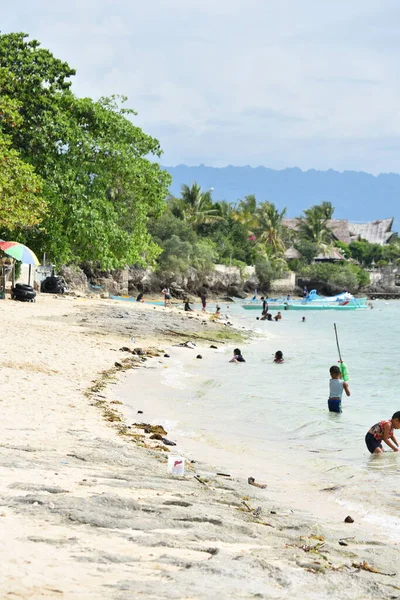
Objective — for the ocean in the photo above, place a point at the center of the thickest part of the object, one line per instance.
(271, 421)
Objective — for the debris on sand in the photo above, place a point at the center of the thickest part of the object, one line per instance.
(252, 481)
(151, 428)
(349, 520)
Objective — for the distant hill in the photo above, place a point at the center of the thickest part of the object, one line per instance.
(356, 196)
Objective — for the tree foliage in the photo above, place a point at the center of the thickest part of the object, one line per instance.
(99, 186)
(20, 188)
(313, 225)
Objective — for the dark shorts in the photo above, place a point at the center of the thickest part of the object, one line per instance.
(335, 405)
(167, 297)
(372, 443)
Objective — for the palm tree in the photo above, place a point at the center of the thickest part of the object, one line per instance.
(195, 206)
(313, 225)
(270, 227)
(246, 213)
(225, 210)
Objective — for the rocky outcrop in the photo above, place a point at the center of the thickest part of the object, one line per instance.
(75, 277)
(223, 280)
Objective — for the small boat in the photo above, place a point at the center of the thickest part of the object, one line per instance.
(343, 301)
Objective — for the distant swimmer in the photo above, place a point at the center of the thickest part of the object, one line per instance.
(237, 356)
(383, 431)
(303, 319)
(139, 297)
(278, 357)
(336, 387)
(278, 317)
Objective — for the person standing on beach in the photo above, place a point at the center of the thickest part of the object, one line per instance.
(383, 431)
(336, 387)
(203, 298)
(167, 296)
(187, 306)
(264, 306)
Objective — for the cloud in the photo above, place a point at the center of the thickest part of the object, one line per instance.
(270, 113)
(277, 82)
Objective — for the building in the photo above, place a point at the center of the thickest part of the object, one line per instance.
(375, 232)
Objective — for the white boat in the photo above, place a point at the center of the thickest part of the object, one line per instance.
(343, 301)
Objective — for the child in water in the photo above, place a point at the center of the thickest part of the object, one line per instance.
(278, 357)
(237, 356)
(336, 387)
(383, 431)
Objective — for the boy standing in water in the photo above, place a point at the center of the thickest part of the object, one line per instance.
(336, 387)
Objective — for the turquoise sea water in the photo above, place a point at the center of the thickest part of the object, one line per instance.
(273, 419)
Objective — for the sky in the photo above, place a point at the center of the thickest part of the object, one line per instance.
(278, 83)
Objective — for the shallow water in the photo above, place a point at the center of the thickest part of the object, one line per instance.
(273, 419)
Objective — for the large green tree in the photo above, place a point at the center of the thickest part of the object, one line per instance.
(98, 182)
(20, 201)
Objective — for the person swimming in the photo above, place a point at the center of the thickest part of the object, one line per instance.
(237, 356)
(278, 357)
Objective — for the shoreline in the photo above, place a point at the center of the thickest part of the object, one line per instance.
(121, 526)
(316, 493)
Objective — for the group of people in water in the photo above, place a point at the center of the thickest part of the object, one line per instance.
(383, 431)
(238, 357)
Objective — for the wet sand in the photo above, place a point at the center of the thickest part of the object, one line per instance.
(88, 509)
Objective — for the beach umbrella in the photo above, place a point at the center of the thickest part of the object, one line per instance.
(20, 252)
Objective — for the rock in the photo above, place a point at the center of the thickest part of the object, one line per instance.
(139, 412)
(166, 356)
(119, 365)
(349, 520)
(214, 347)
(156, 436)
(125, 349)
(236, 292)
(139, 352)
(168, 442)
(199, 356)
(74, 277)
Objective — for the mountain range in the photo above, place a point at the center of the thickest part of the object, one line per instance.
(356, 196)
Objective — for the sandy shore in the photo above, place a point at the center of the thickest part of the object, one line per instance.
(88, 510)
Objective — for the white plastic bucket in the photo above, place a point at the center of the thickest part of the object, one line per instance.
(176, 465)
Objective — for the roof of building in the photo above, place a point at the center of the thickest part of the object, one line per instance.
(375, 232)
(339, 228)
(292, 253)
(330, 254)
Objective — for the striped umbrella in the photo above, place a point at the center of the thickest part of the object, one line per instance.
(20, 252)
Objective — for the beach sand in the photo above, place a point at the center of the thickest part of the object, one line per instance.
(88, 509)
